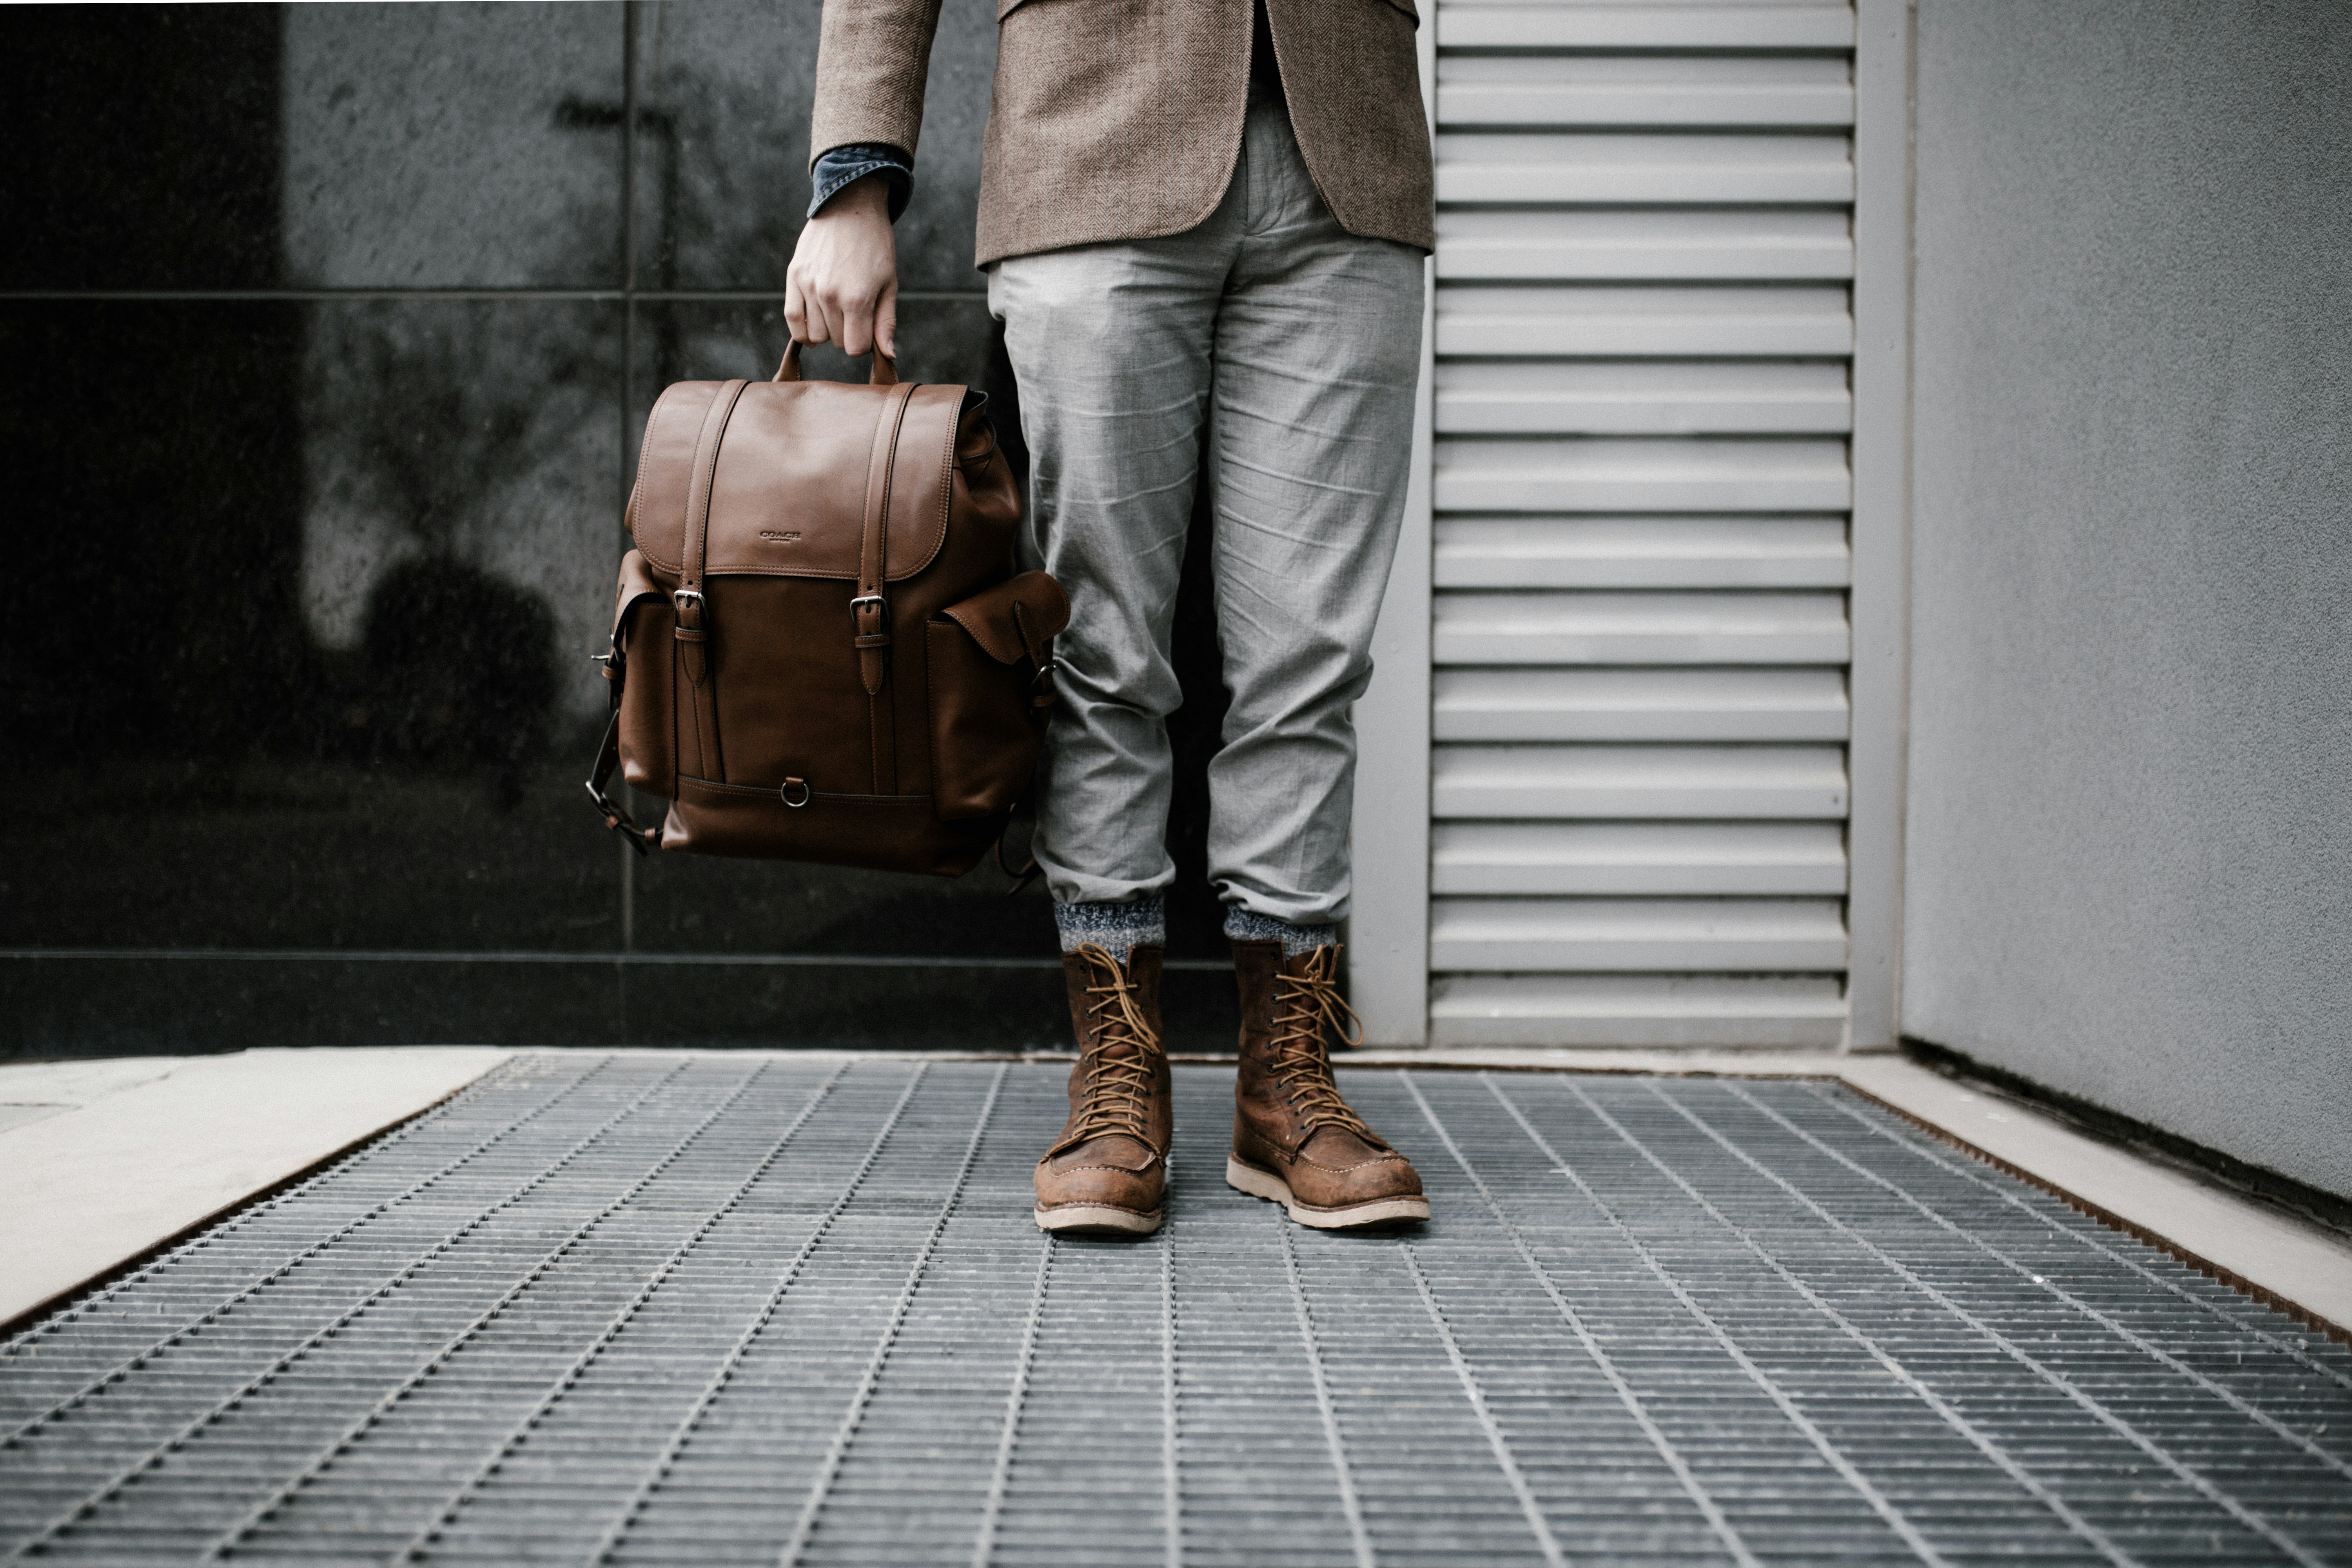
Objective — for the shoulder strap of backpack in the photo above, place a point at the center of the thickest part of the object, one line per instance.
(608, 751)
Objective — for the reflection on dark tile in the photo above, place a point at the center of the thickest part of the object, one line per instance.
(160, 445)
(725, 92)
(310, 854)
(479, 439)
(143, 146)
(453, 146)
(303, 674)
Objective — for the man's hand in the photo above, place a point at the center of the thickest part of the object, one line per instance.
(842, 285)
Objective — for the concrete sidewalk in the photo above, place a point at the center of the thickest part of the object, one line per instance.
(105, 1161)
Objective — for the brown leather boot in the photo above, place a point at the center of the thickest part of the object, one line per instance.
(1295, 1139)
(1108, 1170)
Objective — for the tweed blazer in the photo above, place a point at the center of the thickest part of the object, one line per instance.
(1122, 118)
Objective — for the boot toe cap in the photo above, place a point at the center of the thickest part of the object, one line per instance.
(1108, 1173)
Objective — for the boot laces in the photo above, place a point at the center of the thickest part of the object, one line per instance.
(1120, 1061)
(1305, 1007)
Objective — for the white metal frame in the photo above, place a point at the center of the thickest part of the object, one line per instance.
(1388, 923)
(1880, 607)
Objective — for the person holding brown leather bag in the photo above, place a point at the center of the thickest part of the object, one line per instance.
(1195, 215)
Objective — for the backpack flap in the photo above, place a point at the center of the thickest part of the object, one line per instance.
(988, 661)
(1018, 619)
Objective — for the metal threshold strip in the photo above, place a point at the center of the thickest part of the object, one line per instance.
(760, 1309)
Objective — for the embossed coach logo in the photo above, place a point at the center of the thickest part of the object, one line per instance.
(782, 536)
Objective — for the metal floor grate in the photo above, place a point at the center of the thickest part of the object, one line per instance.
(722, 1310)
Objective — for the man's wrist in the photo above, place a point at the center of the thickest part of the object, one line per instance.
(872, 166)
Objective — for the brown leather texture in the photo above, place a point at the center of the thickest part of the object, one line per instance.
(1288, 1116)
(821, 649)
(1113, 120)
(1112, 1152)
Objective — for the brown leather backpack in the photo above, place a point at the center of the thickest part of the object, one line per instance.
(820, 649)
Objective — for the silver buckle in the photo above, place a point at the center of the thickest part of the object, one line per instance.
(679, 596)
(876, 599)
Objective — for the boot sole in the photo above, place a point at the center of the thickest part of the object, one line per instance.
(1262, 1184)
(1097, 1217)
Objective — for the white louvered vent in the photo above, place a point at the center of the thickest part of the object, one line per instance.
(1640, 483)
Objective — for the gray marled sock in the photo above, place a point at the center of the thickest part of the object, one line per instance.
(1243, 926)
(1117, 929)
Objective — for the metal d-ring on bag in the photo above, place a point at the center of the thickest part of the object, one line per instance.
(821, 650)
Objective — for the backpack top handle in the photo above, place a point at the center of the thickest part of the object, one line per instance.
(885, 372)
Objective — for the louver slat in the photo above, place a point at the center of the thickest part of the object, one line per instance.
(1596, 90)
(1652, 1010)
(1549, 703)
(1641, 553)
(1602, 245)
(1627, 934)
(1636, 169)
(1641, 629)
(1638, 857)
(1752, 27)
(1714, 781)
(1627, 320)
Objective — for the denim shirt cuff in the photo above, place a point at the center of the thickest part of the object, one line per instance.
(846, 164)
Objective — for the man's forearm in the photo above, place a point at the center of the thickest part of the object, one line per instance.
(873, 61)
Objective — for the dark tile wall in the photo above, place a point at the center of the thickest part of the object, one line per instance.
(328, 332)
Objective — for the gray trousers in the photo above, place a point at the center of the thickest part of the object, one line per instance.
(1306, 341)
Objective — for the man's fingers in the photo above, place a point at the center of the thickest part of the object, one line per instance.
(886, 320)
(795, 311)
(856, 315)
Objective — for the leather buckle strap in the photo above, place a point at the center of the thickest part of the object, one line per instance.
(616, 817)
(869, 611)
(692, 630)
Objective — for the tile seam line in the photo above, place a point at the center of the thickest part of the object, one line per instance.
(2138, 1231)
(1710, 1511)
(1983, 1442)
(2113, 1326)
(2092, 1211)
(2238, 1509)
(638, 958)
(383, 1139)
(1884, 1506)
(99, 1286)
(666, 1459)
(420, 1542)
(188, 1431)
(837, 1452)
(361, 295)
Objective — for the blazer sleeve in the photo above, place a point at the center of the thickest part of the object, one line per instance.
(872, 60)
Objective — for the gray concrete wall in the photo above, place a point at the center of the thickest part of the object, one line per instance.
(2129, 852)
